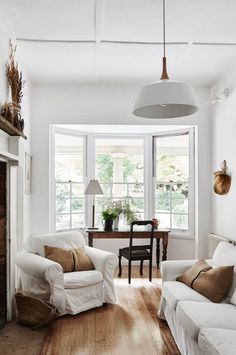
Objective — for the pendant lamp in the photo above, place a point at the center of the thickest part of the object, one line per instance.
(165, 98)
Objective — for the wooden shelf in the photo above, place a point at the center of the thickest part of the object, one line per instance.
(10, 129)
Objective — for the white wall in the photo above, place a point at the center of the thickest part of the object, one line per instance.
(71, 104)
(224, 147)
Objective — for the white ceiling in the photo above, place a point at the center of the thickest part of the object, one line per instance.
(119, 41)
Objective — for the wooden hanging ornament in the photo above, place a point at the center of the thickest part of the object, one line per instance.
(222, 180)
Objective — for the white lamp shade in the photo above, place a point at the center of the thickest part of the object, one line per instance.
(93, 188)
(165, 99)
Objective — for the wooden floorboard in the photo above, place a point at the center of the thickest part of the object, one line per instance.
(129, 327)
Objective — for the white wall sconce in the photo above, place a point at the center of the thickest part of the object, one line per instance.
(217, 95)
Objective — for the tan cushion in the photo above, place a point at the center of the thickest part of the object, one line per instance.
(70, 260)
(190, 275)
(61, 256)
(214, 283)
(82, 261)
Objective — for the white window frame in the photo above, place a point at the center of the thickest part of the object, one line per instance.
(149, 169)
(52, 181)
(191, 183)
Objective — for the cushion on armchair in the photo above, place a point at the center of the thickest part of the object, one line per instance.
(70, 260)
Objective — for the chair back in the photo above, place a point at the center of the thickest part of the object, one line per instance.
(65, 240)
(132, 231)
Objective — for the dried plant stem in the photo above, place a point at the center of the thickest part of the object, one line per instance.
(14, 77)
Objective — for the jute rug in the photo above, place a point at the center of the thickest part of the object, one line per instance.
(129, 327)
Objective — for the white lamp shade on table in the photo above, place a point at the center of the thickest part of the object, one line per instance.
(165, 99)
(93, 188)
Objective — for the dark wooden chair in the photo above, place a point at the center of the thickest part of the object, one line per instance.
(138, 252)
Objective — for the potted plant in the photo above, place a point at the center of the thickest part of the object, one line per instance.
(117, 207)
(127, 212)
(108, 215)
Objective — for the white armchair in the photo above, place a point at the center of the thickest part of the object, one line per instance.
(71, 292)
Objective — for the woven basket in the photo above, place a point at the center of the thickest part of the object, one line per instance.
(33, 311)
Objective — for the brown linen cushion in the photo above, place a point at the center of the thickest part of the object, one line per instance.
(70, 260)
(61, 256)
(215, 283)
(82, 261)
(190, 275)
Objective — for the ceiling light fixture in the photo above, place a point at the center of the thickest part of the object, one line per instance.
(165, 98)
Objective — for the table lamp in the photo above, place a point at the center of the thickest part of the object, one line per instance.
(93, 188)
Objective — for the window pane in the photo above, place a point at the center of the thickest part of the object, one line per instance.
(77, 205)
(62, 222)
(119, 160)
(180, 206)
(180, 221)
(120, 170)
(77, 190)
(172, 175)
(136, 190)
(68, 158)
(164, 219)
(62, 205)
(77, 220)
(172, 158)
(62, 190)
(162, 203)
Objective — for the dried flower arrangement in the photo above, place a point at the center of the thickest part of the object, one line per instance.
(16, 84)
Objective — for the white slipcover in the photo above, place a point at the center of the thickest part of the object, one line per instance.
(195, 322)
(195, 315)
(214, 341)
(225, 255)
(72, 292)
(174, 292)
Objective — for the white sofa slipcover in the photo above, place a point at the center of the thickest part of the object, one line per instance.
(193, 318)
(217, 341)
(71, 292)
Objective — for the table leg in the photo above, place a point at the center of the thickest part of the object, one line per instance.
(164, 245)
(90, 239)
(157, 251)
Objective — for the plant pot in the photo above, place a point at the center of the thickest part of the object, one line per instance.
(108, 225)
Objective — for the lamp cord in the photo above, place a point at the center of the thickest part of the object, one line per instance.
(164, 27)
(164, 75)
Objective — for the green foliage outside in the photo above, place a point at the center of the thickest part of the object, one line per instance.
(172, 168)
(104, 166)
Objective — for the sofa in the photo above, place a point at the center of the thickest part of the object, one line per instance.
(71, 292)
(199, 326)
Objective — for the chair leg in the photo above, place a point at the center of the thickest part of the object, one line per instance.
(150, 270)
(141, 268)
(120, 267)
(129, 271)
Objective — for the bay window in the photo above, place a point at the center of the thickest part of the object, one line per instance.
(153, 172)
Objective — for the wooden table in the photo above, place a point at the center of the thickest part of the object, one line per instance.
(125, 233)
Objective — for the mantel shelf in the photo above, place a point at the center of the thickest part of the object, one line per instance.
(10, 129)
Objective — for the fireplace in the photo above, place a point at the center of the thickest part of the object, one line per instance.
(3, 246)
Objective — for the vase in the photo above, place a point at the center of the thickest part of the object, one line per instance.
(116, 223)
(108, 225)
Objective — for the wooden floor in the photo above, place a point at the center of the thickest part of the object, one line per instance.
(129, 327)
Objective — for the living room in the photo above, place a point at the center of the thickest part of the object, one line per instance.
(84, 64)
